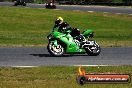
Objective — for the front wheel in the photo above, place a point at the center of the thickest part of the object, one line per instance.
(55, 50)
(93, 50)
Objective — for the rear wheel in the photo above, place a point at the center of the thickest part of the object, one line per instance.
(55, 50)
(93, 50)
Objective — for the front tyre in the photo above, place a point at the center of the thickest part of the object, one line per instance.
(93, 50)
(55, 50)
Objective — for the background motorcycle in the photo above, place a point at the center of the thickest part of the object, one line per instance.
(19, 2)
(50, 6)
(60, 43)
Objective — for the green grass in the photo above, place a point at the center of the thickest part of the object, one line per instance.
(30, 26)
(55, 77)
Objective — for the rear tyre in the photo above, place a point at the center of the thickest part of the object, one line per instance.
(55, 50)
(93, 50)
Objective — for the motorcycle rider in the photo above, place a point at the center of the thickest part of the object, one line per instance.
(50, 3)
(61, 25)
(64, 27)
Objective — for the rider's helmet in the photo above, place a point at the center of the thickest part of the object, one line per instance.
(59, 20)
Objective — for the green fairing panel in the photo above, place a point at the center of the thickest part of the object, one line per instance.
(71, 46)
(68, 40)
(75, 50)
(87, 32)
(58, 34)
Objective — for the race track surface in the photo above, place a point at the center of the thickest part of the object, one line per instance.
(116, 10)
(40, 57)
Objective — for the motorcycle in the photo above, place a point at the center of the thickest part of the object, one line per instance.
(64, 43)
(19, 2)
(50, 6)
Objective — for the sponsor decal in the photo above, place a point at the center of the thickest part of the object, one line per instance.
(84, 77)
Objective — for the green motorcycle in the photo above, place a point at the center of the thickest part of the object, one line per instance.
(61, 43)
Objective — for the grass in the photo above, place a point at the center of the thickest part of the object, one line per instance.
(55, 77)
(30, 26)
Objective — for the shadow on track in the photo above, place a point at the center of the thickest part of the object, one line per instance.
(66, 55)
(42, 55)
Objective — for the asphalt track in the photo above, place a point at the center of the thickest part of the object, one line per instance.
(105, 9)
(40, 57)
